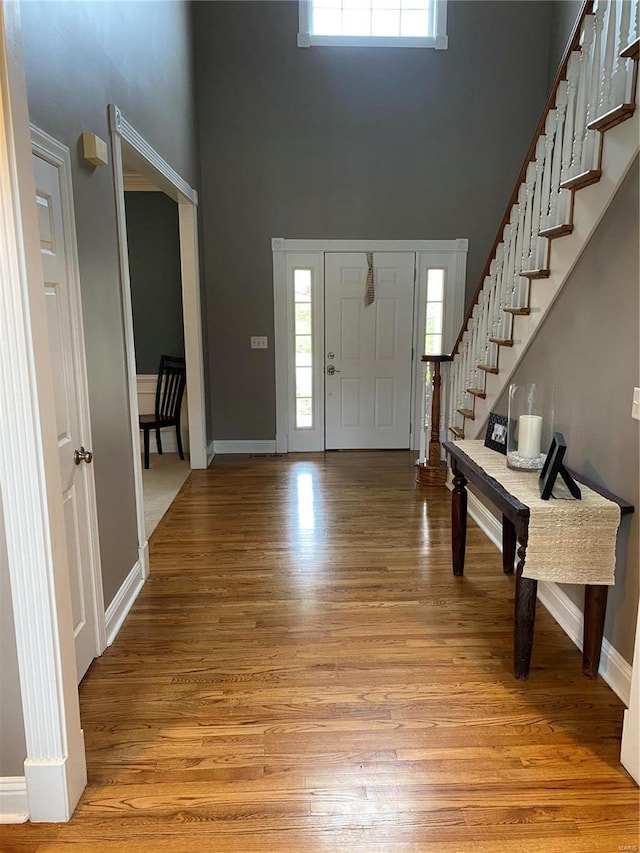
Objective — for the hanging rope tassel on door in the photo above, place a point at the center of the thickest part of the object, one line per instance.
(370, 292)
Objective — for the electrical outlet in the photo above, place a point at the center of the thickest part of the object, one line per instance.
(635, 406)
(259, 342)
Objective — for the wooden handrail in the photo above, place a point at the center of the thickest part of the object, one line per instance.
(572, 44)
(436, 358)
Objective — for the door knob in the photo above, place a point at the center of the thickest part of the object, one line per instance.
(82, 455)
(331, 369)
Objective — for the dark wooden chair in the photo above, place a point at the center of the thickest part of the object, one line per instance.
(172, 379)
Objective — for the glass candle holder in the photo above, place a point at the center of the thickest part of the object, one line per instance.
(530, 425)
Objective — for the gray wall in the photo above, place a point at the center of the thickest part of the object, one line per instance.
(78, 58)
(588, 347)
(154, 267)
(352, 143)
(564, 14)
(13, 750)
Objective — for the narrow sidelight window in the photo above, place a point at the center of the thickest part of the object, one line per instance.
(303, 331)
(435, 311)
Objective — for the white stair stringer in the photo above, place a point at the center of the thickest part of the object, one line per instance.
(621, 145)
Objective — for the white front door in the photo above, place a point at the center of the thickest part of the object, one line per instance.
(65, 339)
(368, 351)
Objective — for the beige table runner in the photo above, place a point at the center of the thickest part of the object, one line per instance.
(569, 541)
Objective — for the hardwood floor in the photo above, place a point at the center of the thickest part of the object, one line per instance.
(302, 672)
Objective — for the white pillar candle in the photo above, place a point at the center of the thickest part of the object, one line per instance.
(529, 436)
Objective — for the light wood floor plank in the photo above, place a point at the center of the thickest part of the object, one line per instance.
(303, 674)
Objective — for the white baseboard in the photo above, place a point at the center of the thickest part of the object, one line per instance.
(485, 519)
(210, 453)
(258, 446)
(143, 558)
(614, 669)
(123, 601)
(14, 806)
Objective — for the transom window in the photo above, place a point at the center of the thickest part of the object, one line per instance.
(379, 23)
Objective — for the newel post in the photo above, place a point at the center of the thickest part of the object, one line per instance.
(430, 469)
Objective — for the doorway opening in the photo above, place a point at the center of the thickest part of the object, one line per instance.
(133, 156)
(153, 242)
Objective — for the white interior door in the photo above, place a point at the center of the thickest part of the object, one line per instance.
(368, 351)
(64, 327)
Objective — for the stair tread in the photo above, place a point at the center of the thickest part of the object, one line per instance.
(539, 273)
(477, 392)
(467, 413)
(584, 179)
(613, 117)
(488, 368)
(556, 231)
(459, 433)
(522, 311)
(632, 51)
(502, 342)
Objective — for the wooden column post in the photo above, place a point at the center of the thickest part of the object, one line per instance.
(435, 451)
(433, 471)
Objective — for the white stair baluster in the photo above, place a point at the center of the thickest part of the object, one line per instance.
(496, 316)
(550, 133)
(477, 357)
(537, 250)
(623, 68)
(456, 416)
(505, 285)
(514, 259)
(583, 95)
(473, 352)
(605, 100)
(481, 343)
(463, 371)
(473, 343)
(552, 219)
(528, 216)
(453, 379)
(486, 324)
(520, 242)
(573, 71)
(590, 151)
(634, 30)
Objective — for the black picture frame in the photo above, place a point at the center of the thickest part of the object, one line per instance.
(496, 435)
(553, 466)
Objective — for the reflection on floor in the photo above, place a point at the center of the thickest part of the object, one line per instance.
(162, 481)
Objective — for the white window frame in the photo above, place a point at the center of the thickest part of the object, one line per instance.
(454, 262)
(438, 40)
(309, 254)
(301, 439)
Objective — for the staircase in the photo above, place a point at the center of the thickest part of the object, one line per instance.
(586, 140)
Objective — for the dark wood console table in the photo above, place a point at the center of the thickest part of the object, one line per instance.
(515, 530)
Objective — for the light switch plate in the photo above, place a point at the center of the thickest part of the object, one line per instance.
(635, 407)
(259, 342)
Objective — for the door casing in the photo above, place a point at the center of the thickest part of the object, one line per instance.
(289, 254)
